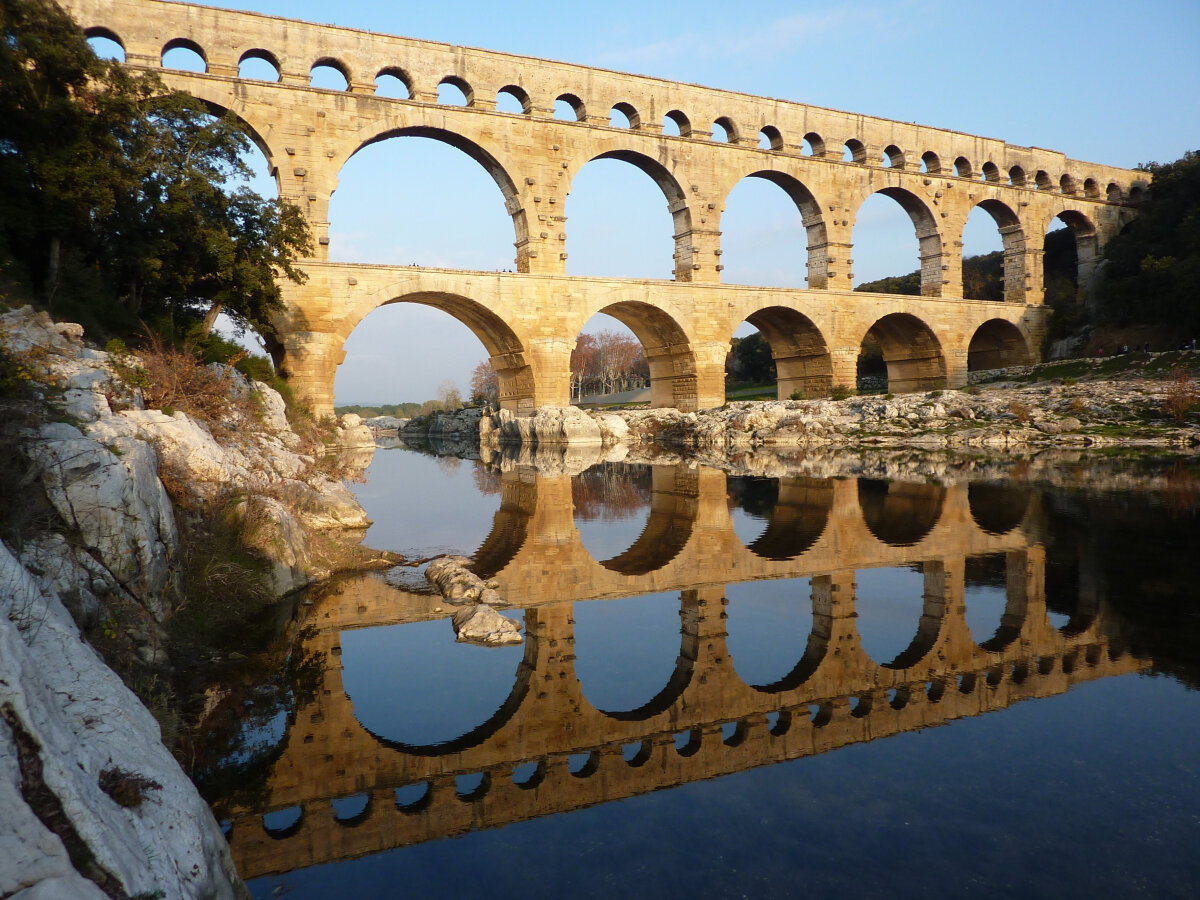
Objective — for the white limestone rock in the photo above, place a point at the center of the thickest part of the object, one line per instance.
(481, 624)
(82, 720)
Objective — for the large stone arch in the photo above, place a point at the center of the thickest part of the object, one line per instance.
(1012, 237)
(997, 344)
(810, 211)
(498, 171)
(1087, 247)
(669, 352)
(900, 513)
(676, 197)
(929, 236)
(802, 361)
(668, 526)
(800, 516)
(912, 353)
(506, 351)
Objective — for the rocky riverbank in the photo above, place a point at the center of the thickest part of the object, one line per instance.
(104, 498)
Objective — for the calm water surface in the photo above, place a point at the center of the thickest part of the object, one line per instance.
(737, 687)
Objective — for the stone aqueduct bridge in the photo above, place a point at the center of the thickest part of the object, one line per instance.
(547, 749)
(528, 321)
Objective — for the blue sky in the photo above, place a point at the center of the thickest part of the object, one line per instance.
(1109, 82)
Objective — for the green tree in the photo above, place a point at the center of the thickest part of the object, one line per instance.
(129, 185)
(750, 360)
(1153, 266)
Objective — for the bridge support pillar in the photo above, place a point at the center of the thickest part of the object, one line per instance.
(550, 362)
(1032, 275)
(956, 366)
(844, 363)
(310, 359)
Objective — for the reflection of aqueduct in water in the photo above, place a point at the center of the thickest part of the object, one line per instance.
(705, 721)
(828, 162)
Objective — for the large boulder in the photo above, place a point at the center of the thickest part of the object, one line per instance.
(483, 625)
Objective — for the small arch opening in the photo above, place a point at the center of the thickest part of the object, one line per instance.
(513, 99)
(930, 163)
(687, 743)
(529, 775)
(569, 108)
(724, 131)
(623, 115)
(770, 138)
(991, 172)
(778, 722)
(105, 44)
(733, 733)
(1016, 177)
(962, 167)
(637, 753)
(1041, 180)
(1114, 194)
(393, 83)
(893, 157)
(854, 151)
(1091, 189)
(411, 798)
(814, 144)
(283, 823)
(454, 91)
(185, 56)
(820, 714)
(329, 75)
(472, 786)
(1066, 184)
(677, 124)
(583, 765)
(259, 65)
(352, 810)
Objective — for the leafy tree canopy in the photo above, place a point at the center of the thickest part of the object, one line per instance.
(1152, 273)
(123, 197)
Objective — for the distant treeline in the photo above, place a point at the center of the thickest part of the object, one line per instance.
(399, 410)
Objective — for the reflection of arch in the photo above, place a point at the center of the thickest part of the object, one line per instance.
(798, 520)
(1015, 608)
(900, 513)
(1013, 238)
(814, 654)
(814, 223)
(911, 352)
(933, 613)
(510, 527)
(668, 353)
(506, 352)
(508, 187)
(681, 676)
(668, 528)
(928, 237)
(494, 722)
(997, 344)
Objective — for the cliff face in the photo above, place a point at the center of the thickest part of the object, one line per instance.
(91, 802)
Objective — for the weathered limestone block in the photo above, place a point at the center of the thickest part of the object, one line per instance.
(324, 504)
(458, 584)
(115, 501)
(352, 434)
(272, 530)
(483, 625)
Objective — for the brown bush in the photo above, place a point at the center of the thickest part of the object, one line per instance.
(1181, 396)
(1020, 411)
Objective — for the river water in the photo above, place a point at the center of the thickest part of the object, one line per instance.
(735, 686)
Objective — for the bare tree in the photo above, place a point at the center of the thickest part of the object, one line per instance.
(485, 384)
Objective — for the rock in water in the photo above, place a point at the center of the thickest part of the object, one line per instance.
(483, 625)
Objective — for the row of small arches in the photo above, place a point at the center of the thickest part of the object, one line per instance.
(393, 82)
(353, 810)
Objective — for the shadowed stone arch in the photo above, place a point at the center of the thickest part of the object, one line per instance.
(330, 62)
(507, 353)
(519, 94)
(802, 360)
(900, 513)
(1012, 235)
(182, 43)
(801, 513)
(506, 183)
(674, 503)
(929, 237)
(997, 344)
(1087, 249)
(998, 508)
(261, 55)
(99, 31)
(668, 350)
(911, 353)
(677, 205)
(814, 222)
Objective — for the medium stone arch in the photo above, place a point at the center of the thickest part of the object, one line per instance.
(929, 238)
(997, 344)
(1016, 177)
(507, 354)
(900, 513)
(991, 172)
(100, 31)
(1087, 249)
(773, 136)
(399, 74)
(674, 503)
(894, 156)
(1012, 237)
(669, 353)
(677, 204)
(814, 221)
(732, 134)
(520, 95)
(682, 122)
(628, 111)
(508, 186)
(337, 65)
(857, 150)
(932, 162)
(258, 53)
(962, 167)
(577, 105)
(911, 352)
(463, 85)
(816, 144)
(802, 361)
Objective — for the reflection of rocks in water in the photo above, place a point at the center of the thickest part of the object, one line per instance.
(481, 624)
